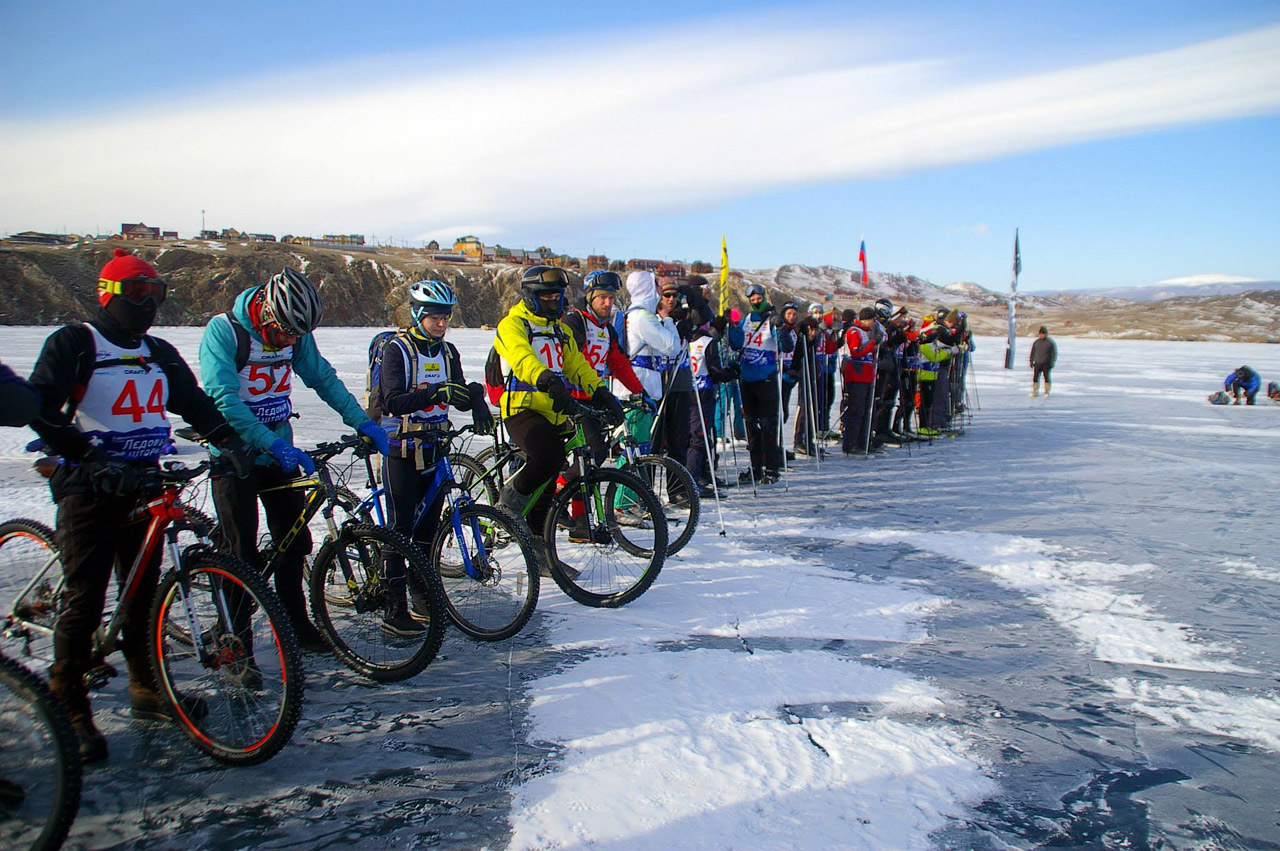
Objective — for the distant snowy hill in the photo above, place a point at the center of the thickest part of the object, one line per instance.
(1200, 286)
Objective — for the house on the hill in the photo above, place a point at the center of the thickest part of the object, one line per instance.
(231, 233)
(433, 245)
(138, 231)
(637, 264)
(671, 270)
(262, 237)
(597, 261)
(469, 246)
(169, 235)
(32, 237)
(290, 239)
(345, 240)
(208, 234)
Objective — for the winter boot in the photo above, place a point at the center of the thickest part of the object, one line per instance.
(310, 639)
(419, 603)
(1035, 389)
(146, 701)
(1046, 390)
(397, 620)
(67, 684)
(582, 533)
(514, 501)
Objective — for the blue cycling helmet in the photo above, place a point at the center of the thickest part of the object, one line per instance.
(431, 297)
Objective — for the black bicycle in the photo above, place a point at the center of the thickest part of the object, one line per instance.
(39, 763)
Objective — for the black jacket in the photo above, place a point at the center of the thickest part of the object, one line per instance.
(66, 363)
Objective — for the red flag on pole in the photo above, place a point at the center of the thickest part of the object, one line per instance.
(862, 258)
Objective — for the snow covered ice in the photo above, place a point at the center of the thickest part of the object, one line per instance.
(1054, 631)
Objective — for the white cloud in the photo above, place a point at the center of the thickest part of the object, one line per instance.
(597, 134)
(1200, 280)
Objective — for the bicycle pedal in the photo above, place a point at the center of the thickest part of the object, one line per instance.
(96, 678)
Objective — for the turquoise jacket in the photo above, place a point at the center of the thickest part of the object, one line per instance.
(222, 381)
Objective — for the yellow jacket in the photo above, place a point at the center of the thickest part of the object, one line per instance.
(524, 342)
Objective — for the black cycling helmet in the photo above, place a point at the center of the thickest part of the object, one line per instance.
(884, 308)
(537, 280)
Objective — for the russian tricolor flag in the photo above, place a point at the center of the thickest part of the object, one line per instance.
(862, 258)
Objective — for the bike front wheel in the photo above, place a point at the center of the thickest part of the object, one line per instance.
(489, 571)
(605, 538)
(227, 658)
(39, 763)
(354, 603)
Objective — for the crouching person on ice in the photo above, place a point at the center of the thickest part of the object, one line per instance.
(106, 389)
(248, 358)
(419, 378)
(540, 362)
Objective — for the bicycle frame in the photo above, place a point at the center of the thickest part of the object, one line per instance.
(442, 481)
(320, 499)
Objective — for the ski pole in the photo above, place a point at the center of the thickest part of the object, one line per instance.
(706, 441)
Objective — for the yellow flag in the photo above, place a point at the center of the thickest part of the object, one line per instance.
(724, 274)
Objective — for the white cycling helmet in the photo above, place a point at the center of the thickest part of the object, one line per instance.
(291, 301)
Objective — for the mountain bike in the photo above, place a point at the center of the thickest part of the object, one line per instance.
(613, 555)
(485, 558)
(39, 763)
(350, 592)
(224, 653)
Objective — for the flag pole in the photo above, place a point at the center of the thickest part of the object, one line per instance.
(724, 274)
(1009, 354)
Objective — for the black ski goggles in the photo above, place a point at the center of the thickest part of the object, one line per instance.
(541, 275)
(137, 290)
(607, 281)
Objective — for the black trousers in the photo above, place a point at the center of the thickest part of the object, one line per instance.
(671, 430)
(886, 393)
(236, 501)
(94, 536)
(760, 411)
(405, 486)
(855, 411)
(696, 460)
(543, 446)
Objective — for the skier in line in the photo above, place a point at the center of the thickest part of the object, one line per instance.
(758, 384)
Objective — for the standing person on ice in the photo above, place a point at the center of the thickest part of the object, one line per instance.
(758, 383)
(420, 379)
(858, 369)
(653, 343)
(248, 359)
(106, 388)
(1242, 379)
(1044, 354)
(591, 324)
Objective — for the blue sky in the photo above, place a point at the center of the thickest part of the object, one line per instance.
(1131, 144)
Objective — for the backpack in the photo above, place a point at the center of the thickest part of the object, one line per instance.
(1219, 398)
(373, 376)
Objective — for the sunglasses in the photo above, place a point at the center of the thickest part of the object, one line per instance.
(137, 290)
(671, 295)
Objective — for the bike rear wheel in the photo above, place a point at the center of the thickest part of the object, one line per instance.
(625, 545)
(350, 599)
(39, 763)
(495, 597)
(237, 691)
(672, 484)
(30, 586)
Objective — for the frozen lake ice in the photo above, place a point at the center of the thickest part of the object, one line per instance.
(1056, 630)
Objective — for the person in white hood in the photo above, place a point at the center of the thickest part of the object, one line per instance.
(653, 343)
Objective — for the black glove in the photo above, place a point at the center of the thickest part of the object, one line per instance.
(608, 404)
(482, 418)
(553, 385)
(720, 323)
(685, 329)
(109, 477)
(449, 393)
(732, 372)
(237, 454)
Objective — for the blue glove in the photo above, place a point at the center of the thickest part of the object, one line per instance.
(376, 435)
(650, 403)
(290, 457)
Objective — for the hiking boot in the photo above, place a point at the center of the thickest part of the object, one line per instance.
(150, 705)
(66, 682)
(927, 432)
(400, 622)
(746, 477)
(770, 477)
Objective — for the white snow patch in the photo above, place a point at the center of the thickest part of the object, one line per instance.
(1244, 717)
(697, 749)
